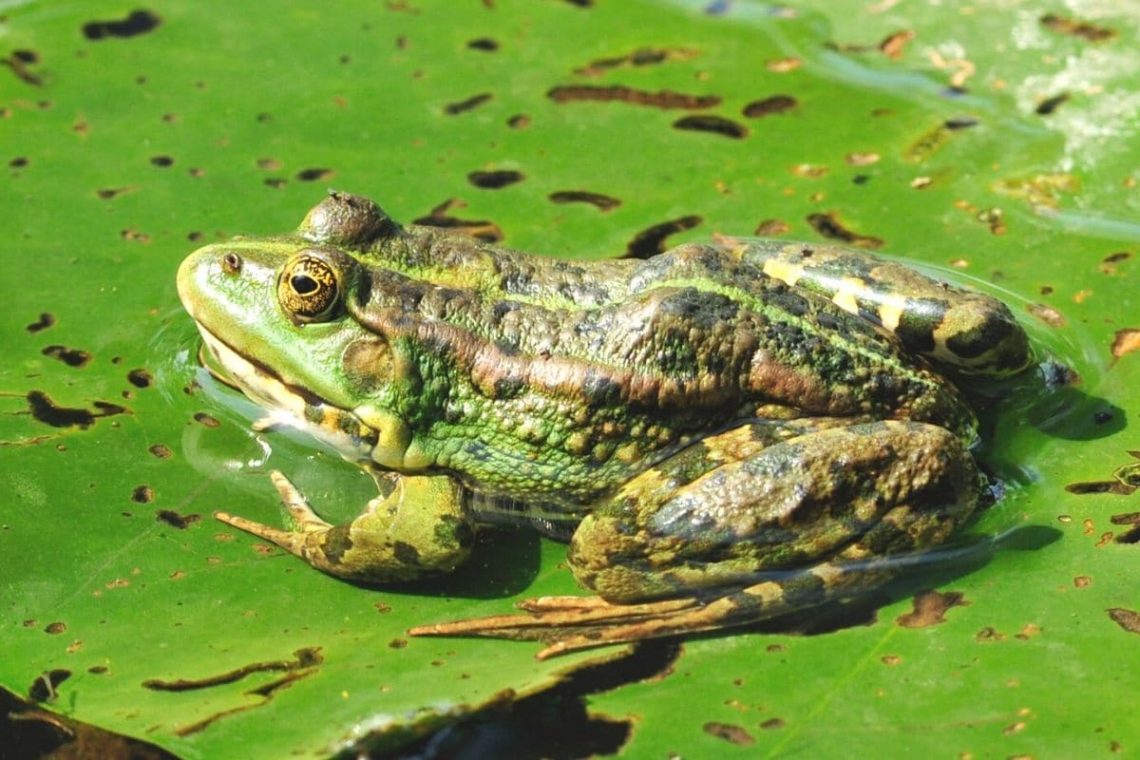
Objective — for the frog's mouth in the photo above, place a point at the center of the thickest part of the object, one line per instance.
(287, 404)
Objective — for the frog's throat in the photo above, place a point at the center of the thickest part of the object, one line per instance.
(373, 436)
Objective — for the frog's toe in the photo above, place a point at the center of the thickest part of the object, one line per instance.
(304, 517)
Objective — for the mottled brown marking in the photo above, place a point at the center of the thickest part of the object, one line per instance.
(930, 609)
(717, 125)
(730, 733)
(602, 202)
(830, 227)
(667, 99)
(1127, 619)
(1074, 28)
(772, 227)
(161, 451)
(142, 495)
(519, 121)
(1047, 314)
(19, 62)
(651, 240)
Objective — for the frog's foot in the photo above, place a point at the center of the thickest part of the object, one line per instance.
(570, 623)
(415, 530)
(305, 520)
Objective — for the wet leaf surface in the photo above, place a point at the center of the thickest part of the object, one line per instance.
(1003, 153)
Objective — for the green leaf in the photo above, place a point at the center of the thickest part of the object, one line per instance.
(994, 143)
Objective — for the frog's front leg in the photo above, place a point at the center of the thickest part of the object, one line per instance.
(416, 527)
(768, 525)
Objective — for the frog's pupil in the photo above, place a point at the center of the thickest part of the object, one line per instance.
(303, 284)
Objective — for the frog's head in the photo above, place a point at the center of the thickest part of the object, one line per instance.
(277, 315)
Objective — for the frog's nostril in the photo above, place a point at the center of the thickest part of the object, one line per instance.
(231, 263)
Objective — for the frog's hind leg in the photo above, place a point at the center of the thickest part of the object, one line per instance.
(798, 523)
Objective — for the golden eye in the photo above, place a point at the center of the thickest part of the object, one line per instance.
(309, 288)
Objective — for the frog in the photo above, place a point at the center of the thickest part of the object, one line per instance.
(723, 432)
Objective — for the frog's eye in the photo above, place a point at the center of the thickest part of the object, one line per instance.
(309, 288)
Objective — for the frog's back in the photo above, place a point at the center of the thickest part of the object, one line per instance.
(694, 333)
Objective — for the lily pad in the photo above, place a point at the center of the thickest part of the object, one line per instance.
(994, 144)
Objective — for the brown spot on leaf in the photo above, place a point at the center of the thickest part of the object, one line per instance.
(639, 57)
(717, 125)
(493, 180)
(774, 104)
(481, 229)
(45, 321)
(989, 634)
(1125, 341)
(1075, 28)
(1082, 581)
(773, 227)
(661, 99)
(930, 609)
(20, 62)
(772, 723)
(139, 22)
(315, 174)
(651, 240)
(730, 733)
(468, 104)
(893, 45)
(307, 657)
(519, 121)
(602, 202)
(175, 520)
(162, 161)
(55, 628)
(1127, 619)
(783, 65)
(830, 227)
(1046, 314)
(72, 357)
(206, 420)
(142, 495)
(161, 451)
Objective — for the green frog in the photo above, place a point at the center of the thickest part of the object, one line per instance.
(725, 432)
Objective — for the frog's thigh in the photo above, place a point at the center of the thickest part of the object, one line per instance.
(417, 529)
(838, 494)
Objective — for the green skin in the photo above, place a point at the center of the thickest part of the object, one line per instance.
(698, 419)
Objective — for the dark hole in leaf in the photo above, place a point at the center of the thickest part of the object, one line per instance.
(206, 420)
(45, 321)
(493, 180)
(961, 122)
(19, 162)
(1049, 105)
(710, 123)
(830, 227)
(43, 689)
(603, 94)
(602, 202)
(44, 410)
(772, 105)
(470, 103)
(72, 357)
(163, 161)
(486, 44)
(139, 22)
(651, 240)
(314, 174)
